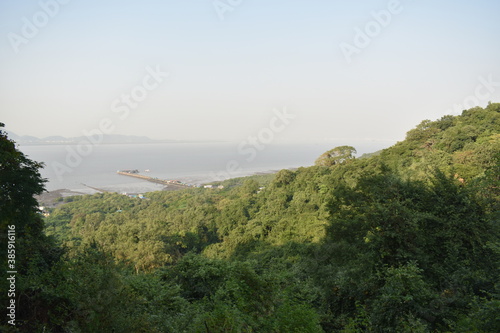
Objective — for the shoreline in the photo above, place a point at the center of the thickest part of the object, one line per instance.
(51, 198)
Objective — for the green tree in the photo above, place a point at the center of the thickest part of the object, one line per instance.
(335, 156)
(35, 253)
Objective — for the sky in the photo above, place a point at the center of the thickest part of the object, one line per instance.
(308, 71)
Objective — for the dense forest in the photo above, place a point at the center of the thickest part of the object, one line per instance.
(402, 240)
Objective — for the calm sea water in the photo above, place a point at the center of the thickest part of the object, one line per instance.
(194, 163)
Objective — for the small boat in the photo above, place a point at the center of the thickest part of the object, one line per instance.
(147, 170)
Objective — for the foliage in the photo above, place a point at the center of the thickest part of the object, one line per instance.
(35, 253)
(404, 240)
(336, 156)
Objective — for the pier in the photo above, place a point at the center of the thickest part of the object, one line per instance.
(174, 184)
(95, 188)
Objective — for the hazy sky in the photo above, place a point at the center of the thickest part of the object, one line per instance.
(345, 69)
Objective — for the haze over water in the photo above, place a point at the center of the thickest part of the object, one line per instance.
(194, 163)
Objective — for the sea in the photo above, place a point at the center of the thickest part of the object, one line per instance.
(83, 169)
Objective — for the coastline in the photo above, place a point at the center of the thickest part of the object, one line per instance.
(50, 199)
(54, 198)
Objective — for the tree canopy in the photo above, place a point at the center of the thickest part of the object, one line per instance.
(405, 240)
(336, 156)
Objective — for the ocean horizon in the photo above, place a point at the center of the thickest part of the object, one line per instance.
(71, 167)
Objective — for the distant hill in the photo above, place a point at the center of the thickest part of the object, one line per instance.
(107, 139)
(405, 240)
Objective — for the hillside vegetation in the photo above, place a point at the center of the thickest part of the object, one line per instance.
(405, 240)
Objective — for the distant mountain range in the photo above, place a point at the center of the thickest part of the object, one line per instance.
(107, 138)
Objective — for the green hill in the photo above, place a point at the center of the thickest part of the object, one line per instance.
(405, 240)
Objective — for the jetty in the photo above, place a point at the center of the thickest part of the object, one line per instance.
(95, 188)
(172, 184)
